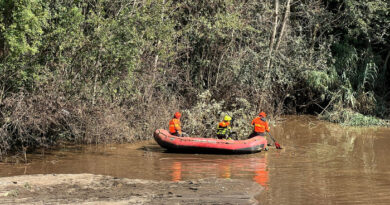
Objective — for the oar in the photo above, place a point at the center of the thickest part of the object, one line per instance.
(277, 145)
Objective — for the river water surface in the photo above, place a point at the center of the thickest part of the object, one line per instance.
(320, 163)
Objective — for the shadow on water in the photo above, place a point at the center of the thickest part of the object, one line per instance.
(152, 148)
(203, 152)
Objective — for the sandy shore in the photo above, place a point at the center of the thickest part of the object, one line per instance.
(98, 189)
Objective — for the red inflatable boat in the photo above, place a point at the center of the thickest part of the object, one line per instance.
(209, 145)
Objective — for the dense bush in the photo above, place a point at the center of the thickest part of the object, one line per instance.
(202, 119)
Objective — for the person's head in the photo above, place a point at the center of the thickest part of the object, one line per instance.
(262, 114)
(177, 115)
(227, 118)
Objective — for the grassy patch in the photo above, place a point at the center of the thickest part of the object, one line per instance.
(349, 117)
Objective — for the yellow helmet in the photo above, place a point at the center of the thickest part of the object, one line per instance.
(227, 118)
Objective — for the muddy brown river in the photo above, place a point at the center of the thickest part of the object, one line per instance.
(320, 163)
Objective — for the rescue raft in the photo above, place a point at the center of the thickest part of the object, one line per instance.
(209, 145)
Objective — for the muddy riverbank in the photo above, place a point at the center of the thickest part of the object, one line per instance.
(99, 189)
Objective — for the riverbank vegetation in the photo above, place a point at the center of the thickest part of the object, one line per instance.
(95, 71)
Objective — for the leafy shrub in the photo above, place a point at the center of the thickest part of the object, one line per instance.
(349, 117)
(202, 119)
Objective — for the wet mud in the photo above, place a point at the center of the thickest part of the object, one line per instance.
(98, 189)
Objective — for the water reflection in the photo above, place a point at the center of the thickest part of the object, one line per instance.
(225, 170)
(254, 168)
(176, 171)
(261, 173)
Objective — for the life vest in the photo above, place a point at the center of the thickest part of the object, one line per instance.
(174, 126)
(260, 125)
(223, 127)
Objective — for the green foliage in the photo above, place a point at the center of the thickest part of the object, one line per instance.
(369, 18)
(348, 117)
(21, 25)
(320, 81)
(356, 57)
(202, 119)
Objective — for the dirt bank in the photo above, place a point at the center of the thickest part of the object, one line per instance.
(98, 189)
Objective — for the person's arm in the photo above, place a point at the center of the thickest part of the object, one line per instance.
(254, 124)
(266, 127)
(177, 127)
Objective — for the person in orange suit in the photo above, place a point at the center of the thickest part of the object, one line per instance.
(260, 125)
(175, 126)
